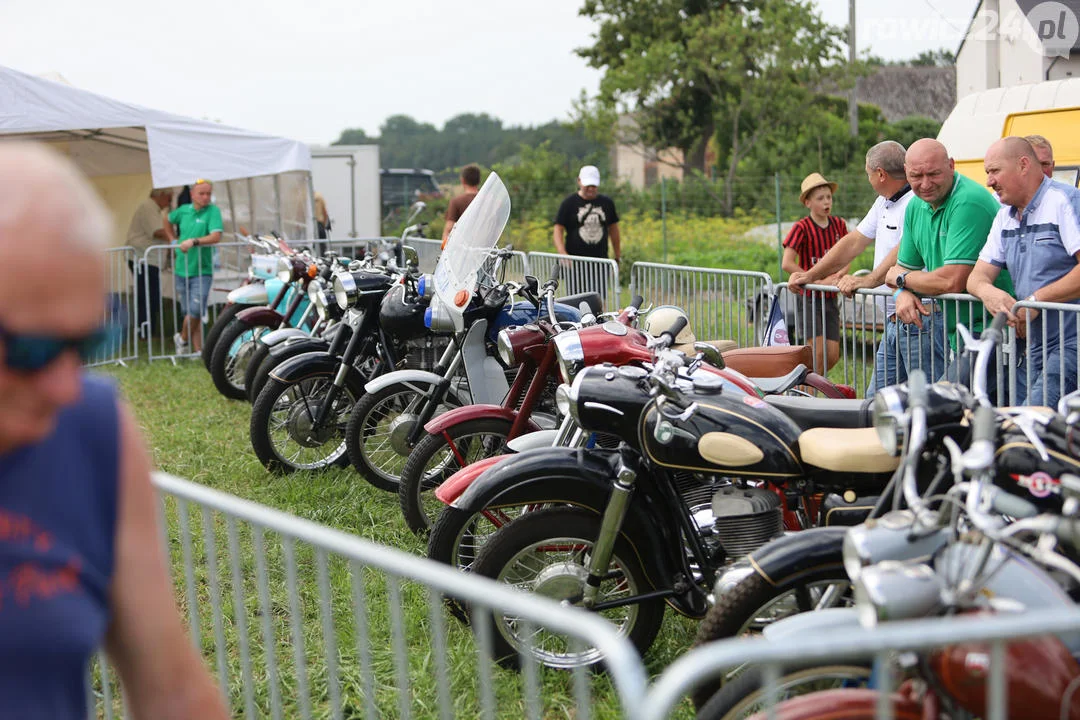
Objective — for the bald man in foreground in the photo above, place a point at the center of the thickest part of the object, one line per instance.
(945, 227)
(1036, 237)
(81, 562)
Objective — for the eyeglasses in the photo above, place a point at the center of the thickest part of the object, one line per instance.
(27, 352)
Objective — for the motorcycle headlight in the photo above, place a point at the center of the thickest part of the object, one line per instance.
(572, 398)
(317, 297)
(284, 270)
(562, 400)
(344, 289)
(506, 349)
(892, 590)
(890, 419)
(855, 552)
(570, 354)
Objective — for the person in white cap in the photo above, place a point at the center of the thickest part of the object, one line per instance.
(587, 220)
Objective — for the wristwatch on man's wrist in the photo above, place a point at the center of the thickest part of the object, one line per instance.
(900, 280)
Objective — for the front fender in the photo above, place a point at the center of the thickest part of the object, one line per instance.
(831, 620)
(298, 343)
(314, 364)
(250, 294)
(460, 481)
(791, 557)
(274, 337)
(444, 422)
(403, 376)
(260, 316)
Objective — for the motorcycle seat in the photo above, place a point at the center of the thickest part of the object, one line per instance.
(856, 450)
(808, 412)
(768, 361)
(722, 345)
(592, 299)
(774, 385)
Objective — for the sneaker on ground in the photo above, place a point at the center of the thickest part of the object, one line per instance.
(181, 346)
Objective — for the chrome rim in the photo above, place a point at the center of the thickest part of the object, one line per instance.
(291, 417)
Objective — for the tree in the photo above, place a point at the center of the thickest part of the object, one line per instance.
(633, 37)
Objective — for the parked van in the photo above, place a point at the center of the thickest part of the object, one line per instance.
(1050, 109)
(402, 187)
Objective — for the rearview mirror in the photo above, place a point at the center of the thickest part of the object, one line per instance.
(710, 353)
(412, 258)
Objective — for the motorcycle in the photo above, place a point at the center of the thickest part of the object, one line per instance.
(298, 420)
(1007, 449)
(236, 343)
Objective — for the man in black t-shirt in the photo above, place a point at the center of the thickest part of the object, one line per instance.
(587, 219)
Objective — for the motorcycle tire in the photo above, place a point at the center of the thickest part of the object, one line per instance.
(262, 351)
(745, 694)
(262, 373)
(284, 411)
(229, 362)
(542, 538)
(738, 611)
(436, 457)
(457, 537)
(368, 434)
(224, 318)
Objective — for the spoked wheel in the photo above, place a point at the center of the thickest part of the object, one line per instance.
(282, 421)
(379, 427)
(437, 457)
(234, 350)
(745, 695)
(547, 553)
(258, 357)
(458, 535)
(269, 362)
(754, 604)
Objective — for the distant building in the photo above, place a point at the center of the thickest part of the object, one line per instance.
(902, 91)
(1003, 47)
(641, 166)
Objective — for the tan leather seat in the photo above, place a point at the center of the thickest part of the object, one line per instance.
(722, 345)
(769, 361)
(845, 450)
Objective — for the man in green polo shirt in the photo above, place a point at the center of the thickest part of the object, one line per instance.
(200, 227)
(945, 228)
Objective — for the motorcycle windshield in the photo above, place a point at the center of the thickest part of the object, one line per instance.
(469, 245)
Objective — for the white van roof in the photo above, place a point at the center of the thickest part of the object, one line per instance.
(979, 118)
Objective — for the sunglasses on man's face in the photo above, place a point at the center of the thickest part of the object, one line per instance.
(26, 352)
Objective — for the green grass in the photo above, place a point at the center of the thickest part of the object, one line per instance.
(195, 433)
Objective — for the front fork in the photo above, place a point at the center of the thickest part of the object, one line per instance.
(621, 492)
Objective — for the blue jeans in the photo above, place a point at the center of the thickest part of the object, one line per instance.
(1045, 373)
(905, 347)
(192, 293)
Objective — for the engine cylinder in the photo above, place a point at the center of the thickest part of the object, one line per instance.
(745, 519)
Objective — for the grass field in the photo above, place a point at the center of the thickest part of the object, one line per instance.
(197, 434)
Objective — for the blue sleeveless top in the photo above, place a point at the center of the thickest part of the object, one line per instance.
(58, 505)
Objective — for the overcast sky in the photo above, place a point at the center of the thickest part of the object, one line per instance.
(309, 71)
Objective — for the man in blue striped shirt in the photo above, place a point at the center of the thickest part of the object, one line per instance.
(1036, 236)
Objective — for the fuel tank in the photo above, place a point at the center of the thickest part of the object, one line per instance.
(728, 433)
(1020, 469)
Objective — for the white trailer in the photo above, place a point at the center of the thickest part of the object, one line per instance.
(347, 176)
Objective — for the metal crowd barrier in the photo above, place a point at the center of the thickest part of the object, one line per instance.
(1059, 361)
(579, 275)
(721, 304)
(828, 647)
(120, 308)
(229, 271)
(300, 620)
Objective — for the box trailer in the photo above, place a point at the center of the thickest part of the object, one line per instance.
(347, 176)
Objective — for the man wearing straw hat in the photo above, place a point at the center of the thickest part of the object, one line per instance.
(806, 243)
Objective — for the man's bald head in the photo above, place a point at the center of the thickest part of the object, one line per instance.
(45, 196)
(929, 170)
(1013, 171)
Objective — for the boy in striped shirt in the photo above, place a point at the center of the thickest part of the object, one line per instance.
(818, 318)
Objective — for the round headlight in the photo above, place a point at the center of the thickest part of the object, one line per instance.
(284, 270)
(890, 419)
(506, 349)
(855, 553)
(892, 590)
(570, 354)
(562, 399)
(344, 289)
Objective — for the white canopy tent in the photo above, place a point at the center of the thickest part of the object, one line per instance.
(261, 182)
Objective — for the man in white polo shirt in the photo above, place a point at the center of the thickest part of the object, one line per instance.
(904, 346)
(1036, 237)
